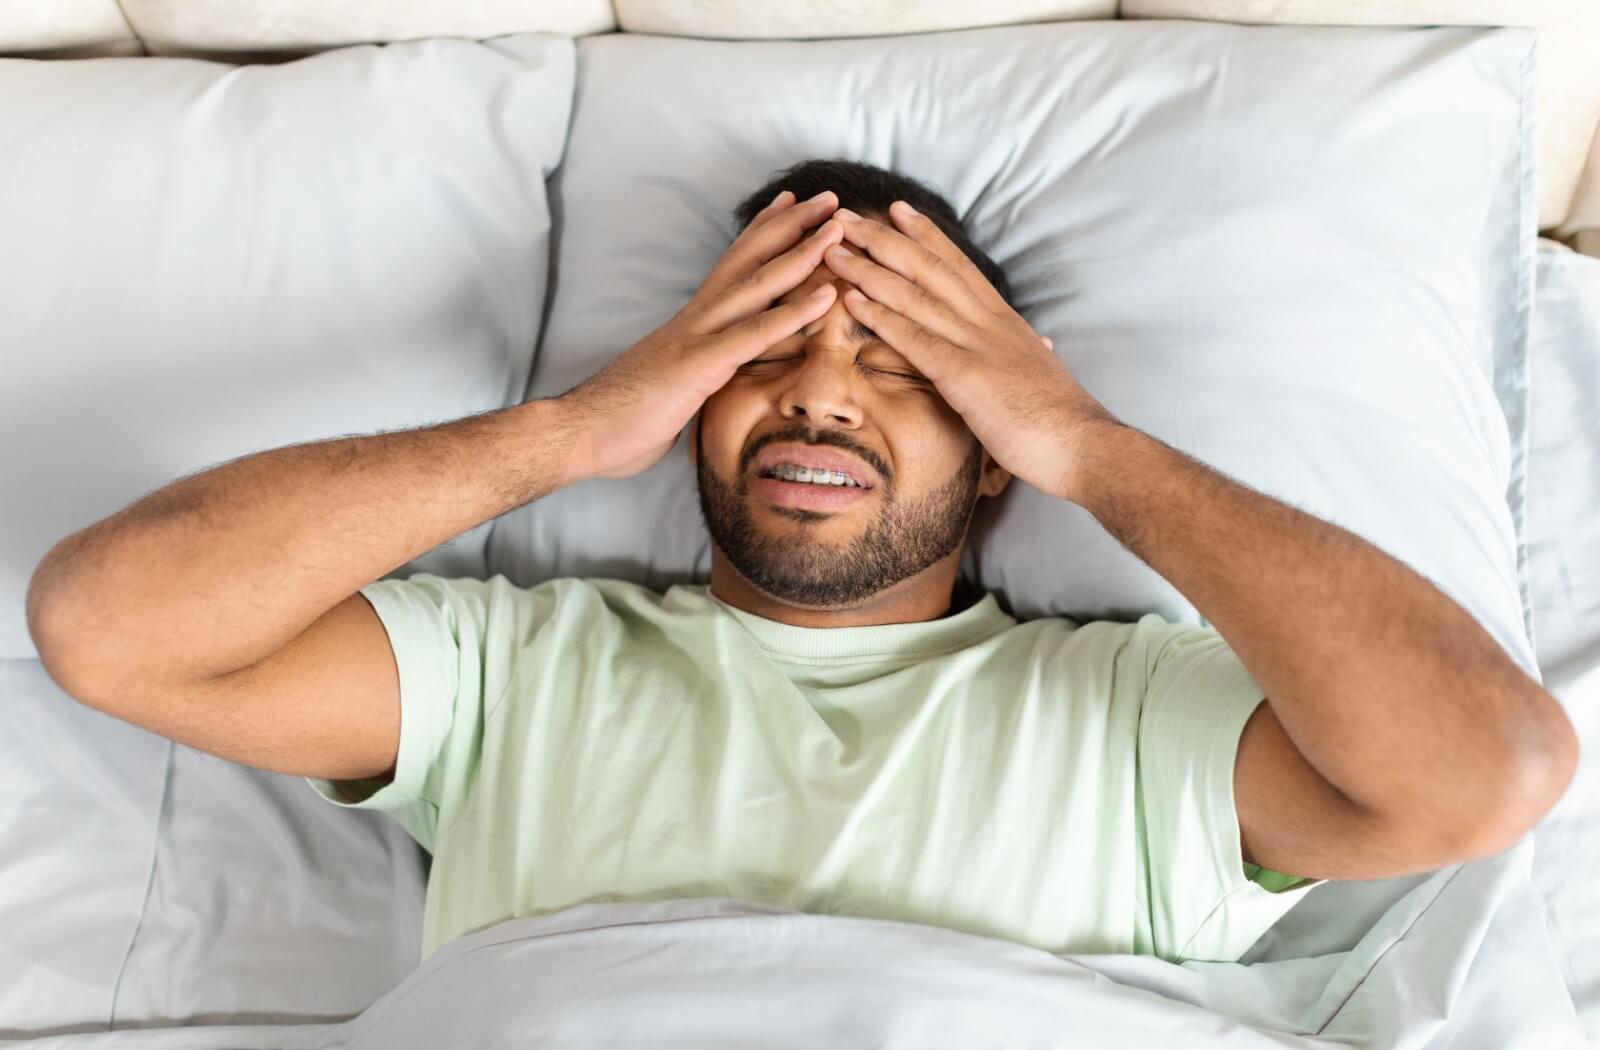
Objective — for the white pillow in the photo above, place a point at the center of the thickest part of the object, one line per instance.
(203, 261)
(1566, 97)
(1301, 254)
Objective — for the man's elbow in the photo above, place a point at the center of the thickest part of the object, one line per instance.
(58, 636)
(1525, 790)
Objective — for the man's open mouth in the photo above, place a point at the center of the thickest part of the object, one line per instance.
(808, 476)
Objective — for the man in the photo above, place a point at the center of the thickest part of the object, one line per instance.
(822, 726)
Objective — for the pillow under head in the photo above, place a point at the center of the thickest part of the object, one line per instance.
(1298, 253)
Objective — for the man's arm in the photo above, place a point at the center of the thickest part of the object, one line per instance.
(219, 570)
(223, 611)
(1397, 735)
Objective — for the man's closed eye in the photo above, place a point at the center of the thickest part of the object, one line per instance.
(910, 376)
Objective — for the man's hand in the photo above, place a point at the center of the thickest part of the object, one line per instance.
(933, 305)
(630, 413)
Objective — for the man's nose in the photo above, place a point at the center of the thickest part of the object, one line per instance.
(822, 387)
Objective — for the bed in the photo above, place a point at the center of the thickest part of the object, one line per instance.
(270, 256)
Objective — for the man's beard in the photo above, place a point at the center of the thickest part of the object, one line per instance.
(796, 568)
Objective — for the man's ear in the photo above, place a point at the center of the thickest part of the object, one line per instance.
(994, 478)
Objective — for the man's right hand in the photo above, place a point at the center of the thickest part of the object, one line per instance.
(629, 414)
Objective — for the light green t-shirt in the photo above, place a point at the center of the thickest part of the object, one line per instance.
(1067, 786)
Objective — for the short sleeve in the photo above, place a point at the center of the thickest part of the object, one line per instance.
(1205, 902)
(1276, 881)
(455, 643)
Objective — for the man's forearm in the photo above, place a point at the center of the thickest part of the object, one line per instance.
(220, 569)
(1387, 687)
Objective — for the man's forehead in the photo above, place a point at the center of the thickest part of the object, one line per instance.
(856, 332)
(815, 279)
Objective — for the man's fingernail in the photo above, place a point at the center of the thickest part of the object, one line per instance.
(819, 198)
(778, 198)
(909, 210)
(855, 296)
(847, 215)
(823, 291)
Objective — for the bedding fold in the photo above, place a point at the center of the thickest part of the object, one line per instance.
(1455, 964)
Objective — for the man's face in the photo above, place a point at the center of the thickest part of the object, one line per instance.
(834, 386)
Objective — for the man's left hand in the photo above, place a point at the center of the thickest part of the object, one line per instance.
(931, 303)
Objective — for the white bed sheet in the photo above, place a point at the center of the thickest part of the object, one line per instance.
(144, 883)
(1563, 531)
(1488, 975)
(1454, 966)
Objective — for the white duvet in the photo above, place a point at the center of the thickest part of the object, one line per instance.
(1462, 960)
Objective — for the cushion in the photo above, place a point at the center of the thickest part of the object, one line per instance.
(758, 20)
(1582, 227)
(66, 26)
(1300, 254)
(233, 26)
(203, 262)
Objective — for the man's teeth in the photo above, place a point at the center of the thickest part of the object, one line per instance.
(813, 477)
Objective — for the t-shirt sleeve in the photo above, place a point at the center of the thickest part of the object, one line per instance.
(1205, 901)
(455, 643)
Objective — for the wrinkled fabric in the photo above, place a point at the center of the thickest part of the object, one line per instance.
(1064, 785)
(1459, 965)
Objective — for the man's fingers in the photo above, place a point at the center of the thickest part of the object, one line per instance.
(752, 336)
(930, 354)
(780, 202)
(914, 262)
(925, 232)
(757, 244)
(766, 240)
(748, 296)
(910, 300)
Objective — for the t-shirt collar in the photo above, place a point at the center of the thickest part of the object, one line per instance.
(950, 633)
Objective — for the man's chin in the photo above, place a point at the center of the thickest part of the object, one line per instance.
(793, 532)
(810, 593)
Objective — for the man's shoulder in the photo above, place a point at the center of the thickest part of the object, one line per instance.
(1113, 626)
(1142, 639)
(568, 594)
(626, 599)
(608, 586)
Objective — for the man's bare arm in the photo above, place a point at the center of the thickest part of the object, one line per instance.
(1386, 687)
(223, 568)
(220, 570)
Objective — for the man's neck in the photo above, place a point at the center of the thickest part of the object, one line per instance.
(926, 596)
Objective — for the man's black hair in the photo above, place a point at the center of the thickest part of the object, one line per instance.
(869, 190)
